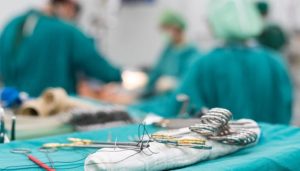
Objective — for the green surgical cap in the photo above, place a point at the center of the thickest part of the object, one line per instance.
(263, 7)
(235, 19)
(170, 18)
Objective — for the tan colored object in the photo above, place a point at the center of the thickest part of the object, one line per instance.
(166, 83)
(109, 93)
(52, 101)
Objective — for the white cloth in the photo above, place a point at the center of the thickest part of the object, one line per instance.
(166, 157)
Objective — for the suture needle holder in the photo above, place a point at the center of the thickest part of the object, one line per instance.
(83, 143)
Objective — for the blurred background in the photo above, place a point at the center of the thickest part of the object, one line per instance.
(127, 31)
(122, 25)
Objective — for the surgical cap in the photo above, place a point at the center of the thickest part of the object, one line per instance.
(170, 18)
(235, 19)
(59, 1)
(263, 7)
(63, 1)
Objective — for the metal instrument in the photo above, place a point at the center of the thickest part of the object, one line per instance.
(2, 126)
(215, 125)
(13, 129)
(185, 142)
(213, 122)
(184, 100)
(85, 143)
(3, 132)
(27, 152)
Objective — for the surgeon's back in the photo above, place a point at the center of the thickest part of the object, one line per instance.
(251, 82)
(39, 51)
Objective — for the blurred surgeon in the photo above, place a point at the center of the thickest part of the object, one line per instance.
(42, 48)
(273, 36)
(175, 58)
(252, 82)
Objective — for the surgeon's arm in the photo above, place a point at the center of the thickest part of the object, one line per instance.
(193, 55)
(91, 62)
(153, 77)
(155, 74)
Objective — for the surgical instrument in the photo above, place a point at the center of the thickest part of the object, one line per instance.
(27, 152)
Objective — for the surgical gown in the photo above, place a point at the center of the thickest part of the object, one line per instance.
(173, 62)
(51, 56)
(251, 82)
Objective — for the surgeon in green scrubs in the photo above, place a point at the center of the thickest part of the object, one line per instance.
(42, 49)
(273, 36)
(175, 58)
(251, 81)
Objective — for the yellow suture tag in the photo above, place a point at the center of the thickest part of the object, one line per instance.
(161, 136)
(191, 141)
(177, 141)
(80, 141)
(56, 145)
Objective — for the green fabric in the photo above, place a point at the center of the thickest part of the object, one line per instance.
(278, 149)
(251, 82)
(234, 19)
(171, 18)
(162, 105)
(51, 57)
(273, 37)
(174, 61)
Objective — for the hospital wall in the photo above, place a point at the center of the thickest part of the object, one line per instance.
(10, 8)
